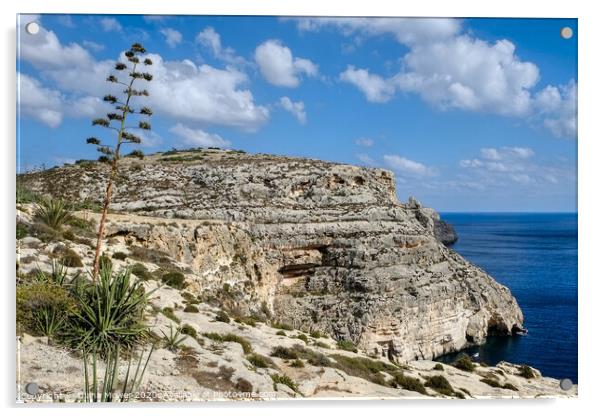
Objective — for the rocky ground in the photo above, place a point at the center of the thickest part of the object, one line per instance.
(287, 266)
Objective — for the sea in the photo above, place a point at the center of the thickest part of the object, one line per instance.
(535, 256)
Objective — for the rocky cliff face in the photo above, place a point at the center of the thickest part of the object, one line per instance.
(324, 246)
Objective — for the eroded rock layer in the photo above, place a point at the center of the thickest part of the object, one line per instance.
(324, 246)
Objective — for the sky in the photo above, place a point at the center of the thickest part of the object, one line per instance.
(472, 115)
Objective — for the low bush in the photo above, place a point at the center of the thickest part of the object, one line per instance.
(284, 379)
(440, 385)
(169, 313)
(526, 372)
(283, 326)
(438, 367)
(43, 308)
(248, 320)
(141, 272)
(120, 256)
(191, 309)
(407, 383)
(281, 333)
(365, 368)
(188, 330)
(346, 345)
(322, 344)
(21, 230)
(71, 259)
(303, 338)
(259, 360)
(244, 343)
(284, 353)
(298, 363)
(316, 334)
(174, 279)
(464, 363)
(222, 316)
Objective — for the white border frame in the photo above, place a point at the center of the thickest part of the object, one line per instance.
(590, 144)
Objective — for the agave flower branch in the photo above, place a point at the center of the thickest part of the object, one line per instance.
(116, 121)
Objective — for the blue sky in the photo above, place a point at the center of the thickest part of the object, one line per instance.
(470, 114)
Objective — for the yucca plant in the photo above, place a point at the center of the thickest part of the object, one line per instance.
(58, 274)
(173, 340)
(111, 312)
(49, 321)
(104, 390)
(53, 212)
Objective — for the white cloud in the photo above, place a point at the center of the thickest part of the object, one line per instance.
(110, 24)
(172, 36)
(469, 74)
(180, 89)
(211, 40)
(364, 142)
(403, 165)
(405, 30)
(39, 103)
(365, 159)
(295, 108)
(557, 106)
(45, 51)
(50, 106)
(97, 47)
(512, 165)
(375, 88)
(198, 137)
(450, 70)
(279, 67)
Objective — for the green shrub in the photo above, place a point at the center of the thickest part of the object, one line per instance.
(259, 360)
(526, 372)
(222, 316)
(120, 256)
(315, 334)
(80, 223)
(284, 353)
(57, 276)
(440, 385)
(69, 235)
(283, 326)
(188, 330)
(322, 344)
(191, 309)
(248, 320)
(365, 368)
(491, 382)
(141, 272)
(246, 345)
(21, 230)
(44, 308)
(303, 338)
(169, 313)
(71, 259)
(53, 212)
(463, 362)
(281, 333)
(111, 311)
(346, 345)
(407, 383)
(438, 367)
(298, 363)
(174, 279)
(284, 379)
(26, 196)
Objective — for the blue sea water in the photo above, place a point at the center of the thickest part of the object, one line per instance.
(535, 255)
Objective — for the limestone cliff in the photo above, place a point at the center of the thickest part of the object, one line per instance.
(324, 246)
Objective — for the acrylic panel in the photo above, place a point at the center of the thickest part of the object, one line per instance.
(288, 208)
